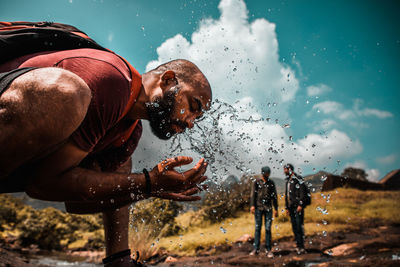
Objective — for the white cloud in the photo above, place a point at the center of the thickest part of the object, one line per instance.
(374, 175)
(389, 159)
(338, 111)
(381, 114)
(316, 90)
(241, 61)
(328, 107)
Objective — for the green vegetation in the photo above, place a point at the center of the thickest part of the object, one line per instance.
(48, 228)
(160, 223)
(342, 209)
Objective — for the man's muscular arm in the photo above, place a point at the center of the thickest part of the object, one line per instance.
(57, 179)
(86, 207)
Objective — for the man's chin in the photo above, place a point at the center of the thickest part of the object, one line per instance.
(163, 135)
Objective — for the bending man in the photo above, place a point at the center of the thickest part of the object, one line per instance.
(69, 125)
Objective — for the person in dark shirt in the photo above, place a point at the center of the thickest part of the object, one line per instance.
(262, 201)
(295, 204)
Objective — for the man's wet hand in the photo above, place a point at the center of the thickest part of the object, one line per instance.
(299, 209)
(252, 209)
(165, 179)
(184, 196)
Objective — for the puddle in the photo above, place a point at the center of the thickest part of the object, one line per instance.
(60, 259)
(47, 261)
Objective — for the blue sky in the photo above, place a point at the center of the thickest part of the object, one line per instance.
(337, 60)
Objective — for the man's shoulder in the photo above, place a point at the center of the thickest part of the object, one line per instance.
(95, 54)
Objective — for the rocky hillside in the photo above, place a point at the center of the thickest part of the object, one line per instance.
(22, 226)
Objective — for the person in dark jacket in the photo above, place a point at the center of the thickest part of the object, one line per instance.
(295, 203)
(263, 197)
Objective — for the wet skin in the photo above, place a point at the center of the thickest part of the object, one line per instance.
(50, 160)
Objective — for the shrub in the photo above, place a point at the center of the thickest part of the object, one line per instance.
(225, 202)
(48, 228)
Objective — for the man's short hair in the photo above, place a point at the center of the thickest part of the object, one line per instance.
(289, 166)
(265, 170)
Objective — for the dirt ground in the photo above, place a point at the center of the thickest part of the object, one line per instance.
(374, 246)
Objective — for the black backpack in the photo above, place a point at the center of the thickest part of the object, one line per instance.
(23, 38)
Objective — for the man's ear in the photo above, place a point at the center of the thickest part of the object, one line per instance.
(168, 79)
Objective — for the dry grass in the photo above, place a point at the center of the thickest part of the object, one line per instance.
(142, 239)
(342, 209)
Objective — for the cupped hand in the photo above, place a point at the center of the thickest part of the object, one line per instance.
(184, 196)
(165, 179)
(299, 209)
(253, 209)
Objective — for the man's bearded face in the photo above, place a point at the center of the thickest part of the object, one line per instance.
(160, 111)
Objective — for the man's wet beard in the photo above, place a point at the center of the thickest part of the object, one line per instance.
(159, 112)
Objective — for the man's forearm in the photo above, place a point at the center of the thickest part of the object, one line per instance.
(81, 184)
(88, 207)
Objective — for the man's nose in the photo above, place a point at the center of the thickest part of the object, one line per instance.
(190, 123)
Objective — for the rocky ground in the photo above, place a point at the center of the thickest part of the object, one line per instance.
(31, 257)
(375, 246)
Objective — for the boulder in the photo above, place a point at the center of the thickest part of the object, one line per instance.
(342, 250)
(170, 259)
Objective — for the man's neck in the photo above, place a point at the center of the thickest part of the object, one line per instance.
(138, 110)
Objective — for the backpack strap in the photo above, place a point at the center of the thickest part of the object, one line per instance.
(136, 85)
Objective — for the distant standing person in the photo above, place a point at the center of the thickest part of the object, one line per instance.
(263, 197)
(295, 201)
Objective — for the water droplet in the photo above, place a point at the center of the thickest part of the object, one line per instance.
(223, 230)
(234, 69)
(182, 111)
